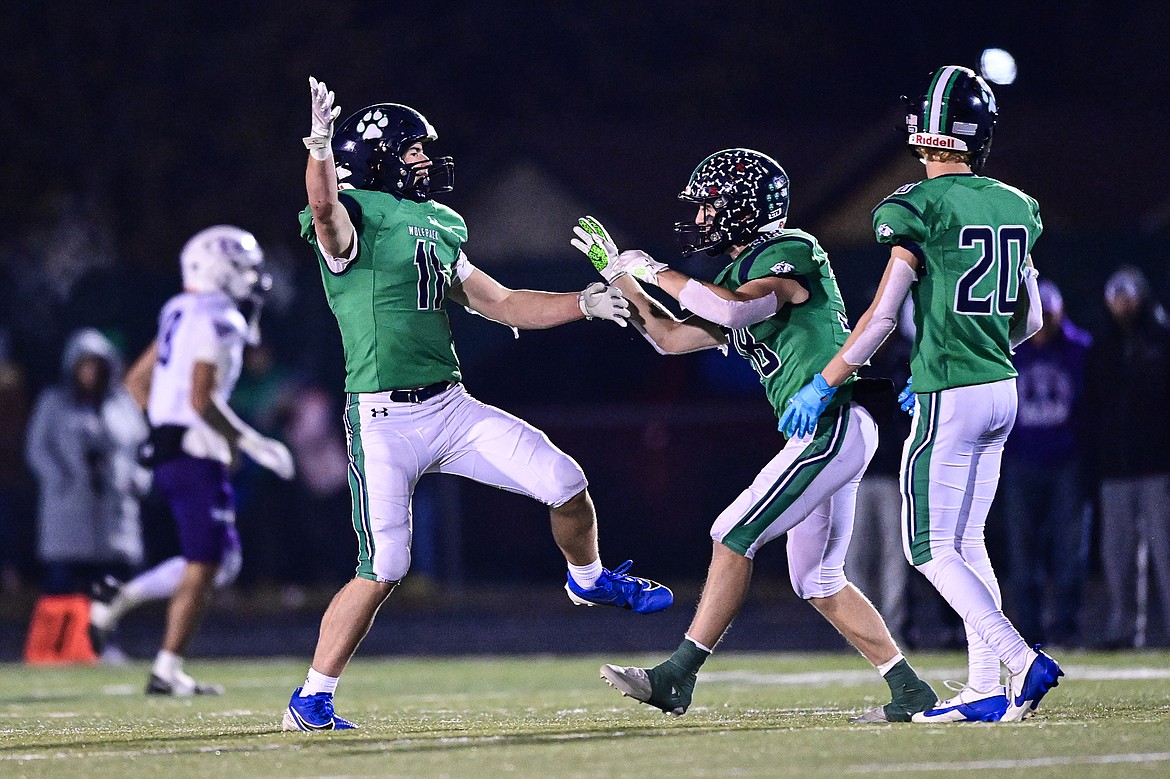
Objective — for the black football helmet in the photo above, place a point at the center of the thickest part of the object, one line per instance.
(749, 192)
(368, 148)
(956, 111)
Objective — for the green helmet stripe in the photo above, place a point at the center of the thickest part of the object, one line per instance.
(937, 99)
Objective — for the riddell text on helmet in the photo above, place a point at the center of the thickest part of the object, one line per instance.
(937, 141)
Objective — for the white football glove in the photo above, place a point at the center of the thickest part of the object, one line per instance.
(594, 242)
(319, 140)
(603, 302)
(269, 453)
(640, 265)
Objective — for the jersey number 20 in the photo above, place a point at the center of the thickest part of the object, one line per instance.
(1001, 251)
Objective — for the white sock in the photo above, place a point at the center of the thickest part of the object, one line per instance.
(586, 575)
(318, 682)
(167, 665)
(983, 672)
(885, 667)
(706, 649)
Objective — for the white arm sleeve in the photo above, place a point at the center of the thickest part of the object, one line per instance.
(1031, 324)
(463, 267)
(885, 315)
(337, 265)
(734, 314)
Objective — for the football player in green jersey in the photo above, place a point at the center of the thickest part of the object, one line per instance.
(960, 245)
(778, 304)
(389, 257)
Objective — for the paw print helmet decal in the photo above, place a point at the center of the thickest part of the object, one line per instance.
(368, 148)
(749, 192)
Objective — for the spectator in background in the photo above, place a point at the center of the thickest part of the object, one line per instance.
(1128, 381)
(82, 445)
(1045, 507)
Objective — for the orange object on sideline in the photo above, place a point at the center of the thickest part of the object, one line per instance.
(59, 631)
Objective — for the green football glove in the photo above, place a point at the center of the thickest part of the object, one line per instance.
(594, 242)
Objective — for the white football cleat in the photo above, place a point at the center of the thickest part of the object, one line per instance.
(970, 705)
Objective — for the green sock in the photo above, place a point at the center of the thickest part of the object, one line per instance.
(910, 693)
(900, 675)
(687, 659)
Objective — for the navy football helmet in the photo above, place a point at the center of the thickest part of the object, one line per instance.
(749, 192)
(955, 112)
(368, 148)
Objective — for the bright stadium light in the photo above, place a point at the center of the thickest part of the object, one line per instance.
(997, 66)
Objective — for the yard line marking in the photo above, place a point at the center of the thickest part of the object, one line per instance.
(1032, 762)
(857, 677)
(63, 754)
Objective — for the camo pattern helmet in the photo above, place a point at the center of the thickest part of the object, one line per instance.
(748, 191)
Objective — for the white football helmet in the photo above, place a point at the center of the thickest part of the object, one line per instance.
(223, 258)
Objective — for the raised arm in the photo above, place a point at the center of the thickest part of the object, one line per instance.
(336, 235)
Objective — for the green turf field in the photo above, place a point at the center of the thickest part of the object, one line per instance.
(754, 715)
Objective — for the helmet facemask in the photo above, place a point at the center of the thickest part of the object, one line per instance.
(389, 173)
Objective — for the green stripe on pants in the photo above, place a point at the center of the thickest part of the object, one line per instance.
(791, 483)
(916, 478)
(359, 499)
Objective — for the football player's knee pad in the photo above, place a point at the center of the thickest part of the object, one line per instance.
(818, 582)
(935, 567)
(568, 480)
(229, 566)
(392, 553)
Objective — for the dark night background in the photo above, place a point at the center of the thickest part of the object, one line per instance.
(128, 126)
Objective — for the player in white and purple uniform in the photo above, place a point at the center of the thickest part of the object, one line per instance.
(184, 381)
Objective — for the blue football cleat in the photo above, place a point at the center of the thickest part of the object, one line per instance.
(617, 588)
(1030, 685)
(969, 705)
(311, 713)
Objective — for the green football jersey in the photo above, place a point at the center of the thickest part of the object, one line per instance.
(787, 349)
(389, 301)
(971, 236)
